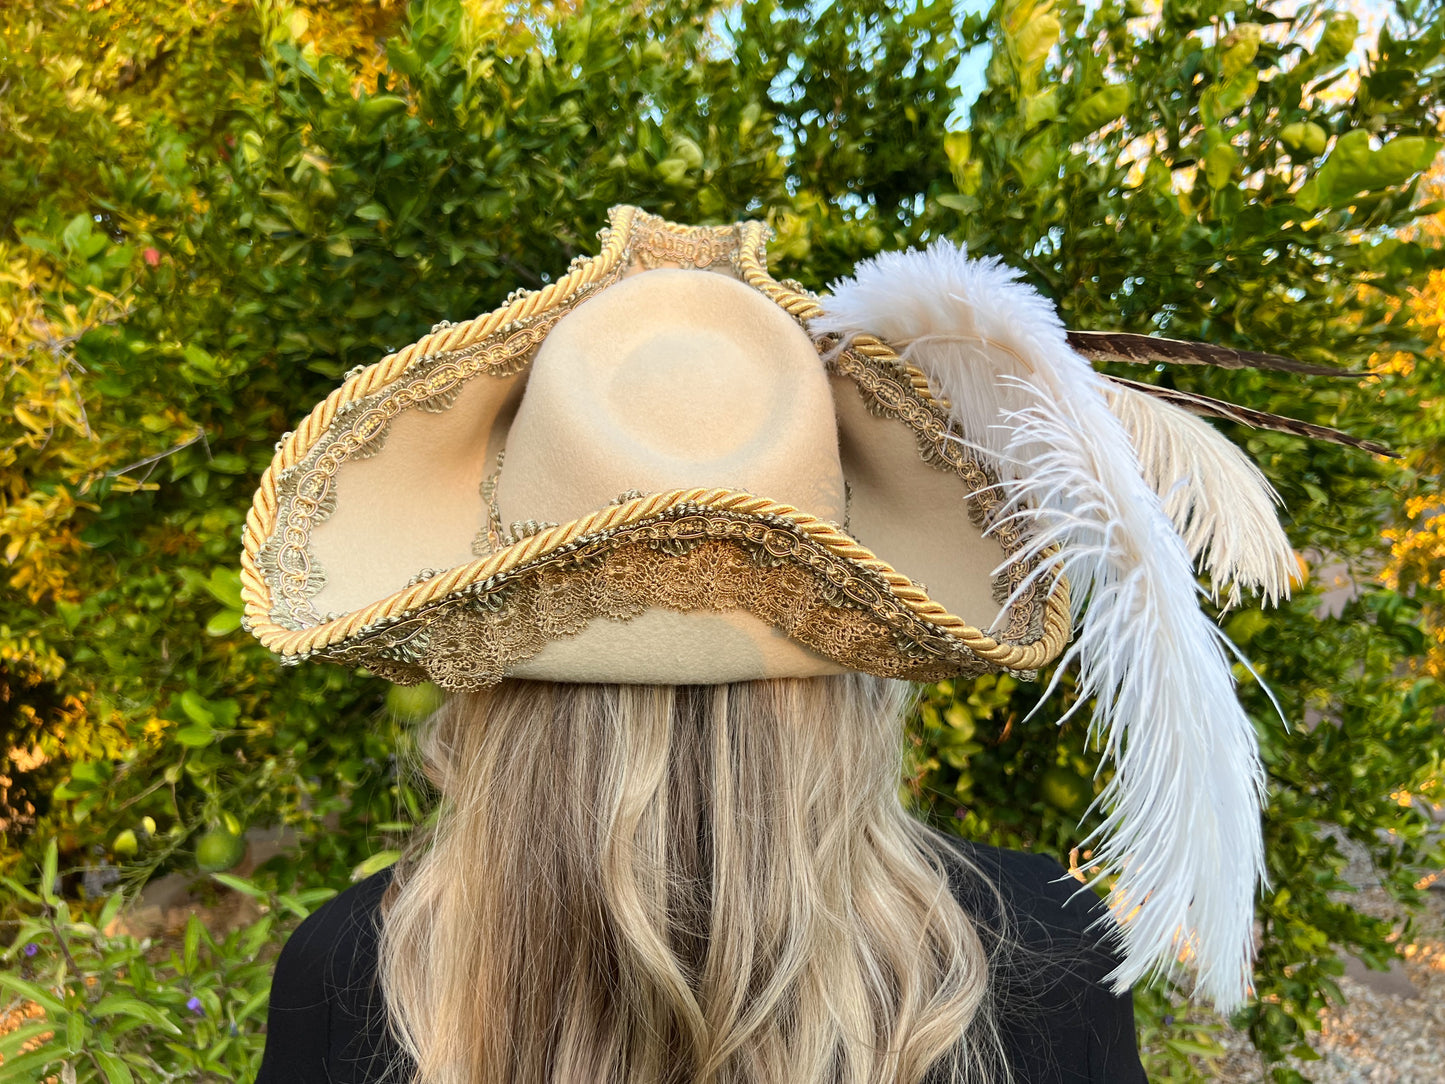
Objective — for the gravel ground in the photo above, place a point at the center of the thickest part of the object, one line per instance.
(1391, 1029)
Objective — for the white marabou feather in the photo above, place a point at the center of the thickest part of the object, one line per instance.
(1222, 505)
(1182, 834)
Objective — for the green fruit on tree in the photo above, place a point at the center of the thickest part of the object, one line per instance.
(125, 844)
(1304, 137)
(218, 850)
(1066, 790)
(412, 703)
(1219, 165)
(1338, 38)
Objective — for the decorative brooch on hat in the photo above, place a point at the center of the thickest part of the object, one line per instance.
(668, 467)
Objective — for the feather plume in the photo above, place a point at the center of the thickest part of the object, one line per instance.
(1182, 830)
(1210, 407)
(1152, 349)
(1221, 504)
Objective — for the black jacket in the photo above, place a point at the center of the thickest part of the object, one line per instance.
(1058, 1022)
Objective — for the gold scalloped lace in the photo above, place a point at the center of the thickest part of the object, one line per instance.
(703, 561)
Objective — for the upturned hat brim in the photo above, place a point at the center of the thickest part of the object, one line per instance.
(375, 540)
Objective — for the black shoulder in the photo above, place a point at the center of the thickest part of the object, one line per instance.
(339, 939)
(324, 998)
(1050, 940)
(1031, 899)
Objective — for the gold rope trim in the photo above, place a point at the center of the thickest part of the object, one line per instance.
(290, 643)
(803, 306)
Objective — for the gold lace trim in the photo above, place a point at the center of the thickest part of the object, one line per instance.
(656, 242)
(695, 559)
(307, 491)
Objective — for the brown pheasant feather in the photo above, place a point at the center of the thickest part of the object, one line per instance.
(1258, 419)
(1152, 349)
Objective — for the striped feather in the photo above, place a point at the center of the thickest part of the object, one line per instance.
(1135, 349)
(1218, 500)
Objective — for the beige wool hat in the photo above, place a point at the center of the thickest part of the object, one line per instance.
(644, 472)
(668, 467)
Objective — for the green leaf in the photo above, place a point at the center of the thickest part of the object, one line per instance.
(76, 231)
(224, 585)
(253, 1004)
(1354, 166)
(374, 110)
(1190, 1047)
(1338, 38)
(135, 1009)
(223, 623)
(1219, 164)
(1100, 108)
(26, 1068)
(1040, 107)
(229, 463)
(1227, 97)
(1036, 37)
(375, 864)
(196, 708)
(191, 944)
(112, 907)
(673, 171)
(16, 888)
(240, 884)
(49, 872)
(199, 359)
(11, 1042)
(115, 1070)
(32, 992)
(195, 737)
(1239, 48)
(1304, 138)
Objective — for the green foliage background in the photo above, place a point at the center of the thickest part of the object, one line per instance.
(210, 212)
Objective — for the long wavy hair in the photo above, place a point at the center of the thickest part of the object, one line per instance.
(680, 885)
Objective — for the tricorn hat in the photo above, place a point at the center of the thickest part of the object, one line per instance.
(668, 467)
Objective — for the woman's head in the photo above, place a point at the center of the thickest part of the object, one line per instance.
(690, 883)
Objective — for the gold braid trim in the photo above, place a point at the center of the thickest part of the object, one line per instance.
(288, 643)
(804, 306)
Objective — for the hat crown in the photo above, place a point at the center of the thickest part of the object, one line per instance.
(672, 379)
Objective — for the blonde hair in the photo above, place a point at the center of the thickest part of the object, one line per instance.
(699, 884)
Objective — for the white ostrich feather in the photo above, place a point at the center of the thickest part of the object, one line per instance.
(1222, 505)
(1182, 832)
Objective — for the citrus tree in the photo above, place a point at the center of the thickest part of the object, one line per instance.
(210, 212)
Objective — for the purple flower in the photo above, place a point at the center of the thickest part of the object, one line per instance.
(31, 948)
(196, 1007)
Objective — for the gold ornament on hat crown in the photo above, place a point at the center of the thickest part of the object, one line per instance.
(514, 331)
